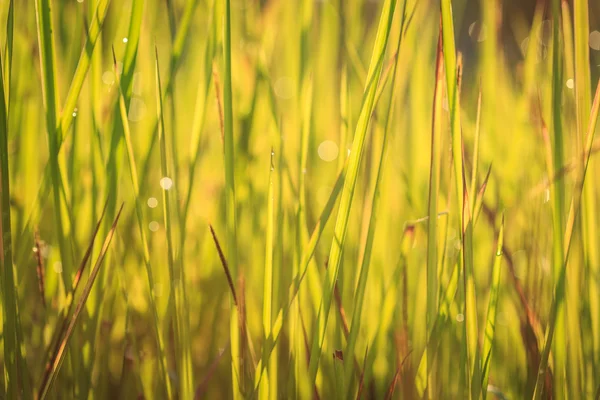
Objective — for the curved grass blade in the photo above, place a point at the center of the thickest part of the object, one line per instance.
(268, 388)
(441, 320)
(490, 325)
(559, 290)
(51, 104)
(359, 293)
(350, 184)
(13, 359)
(230, 213)
(66, 119)
(8, 54)
(432, 250)
(58, 358)
(182, 334)
(308, 253)
(146, 252)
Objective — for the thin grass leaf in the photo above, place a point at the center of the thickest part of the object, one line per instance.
(62, 325)
(39, 266)
(8, 55)
(490, 325)
(443, 315)
(559, 290)
(589, 225)
(51, 104)
(294, 288)
(268, 388)
(225, 266)
(145, 249)
(359, 293)
(350, 184)
(182, 334)
(58, 357)
(230, 207)
(15, 368)
(432, 250)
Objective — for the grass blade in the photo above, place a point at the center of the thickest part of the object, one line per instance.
(58, 358)
(432, 250)
(230, 207)
(182, 339)
(490, 325)
(51, 101)
(13, 359)
(359, 293)
(350, 184)
(559, 290)
(146, 252)
(268, 388)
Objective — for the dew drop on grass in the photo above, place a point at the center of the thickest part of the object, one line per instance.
(166, 183)
(125, 40)
(328, 150)
(460, 317)
(153, 226)
(152, 202)
(595, 40)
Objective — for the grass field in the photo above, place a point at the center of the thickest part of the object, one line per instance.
(299, 199)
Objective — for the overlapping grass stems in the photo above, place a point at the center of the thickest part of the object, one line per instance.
(429, 299)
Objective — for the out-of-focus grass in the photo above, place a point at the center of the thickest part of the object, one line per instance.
(451, 142)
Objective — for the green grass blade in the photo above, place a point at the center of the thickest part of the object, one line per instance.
(146, 252)
(558, 201)
(490, 325)
(268, 388)
(350, 184)
(559, 290)
(13, 361)
(450, 66)
(66, 118)
(62, 325)
(200, 113)
(359, 293)
(94, 31)
(421, 379)
(307, 255)
(230, 205)
(8, 54)
(432, 221)
(51, 101)
(581, 14)
(58, 358)
(182, 340)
